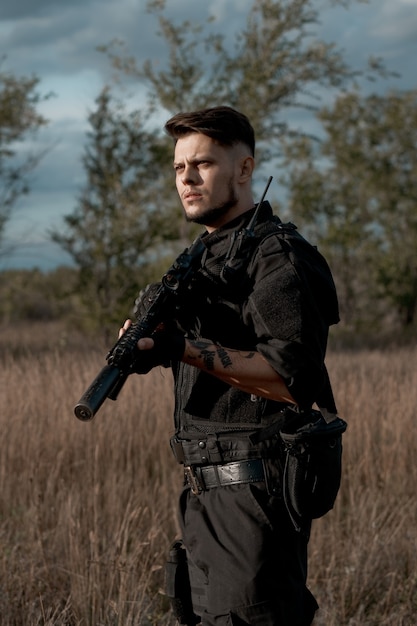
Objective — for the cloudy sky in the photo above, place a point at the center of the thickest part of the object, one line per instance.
(57, 41)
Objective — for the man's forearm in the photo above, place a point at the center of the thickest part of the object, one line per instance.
(246, 370)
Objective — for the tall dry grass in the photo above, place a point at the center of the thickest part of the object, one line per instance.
(87, 510)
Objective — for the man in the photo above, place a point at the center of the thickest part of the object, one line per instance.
(248, 344)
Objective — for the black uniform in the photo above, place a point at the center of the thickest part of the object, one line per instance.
(247, 563)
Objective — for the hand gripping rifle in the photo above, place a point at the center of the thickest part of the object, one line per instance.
(121, 358)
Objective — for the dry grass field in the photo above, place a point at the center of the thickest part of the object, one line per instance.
(88, 510)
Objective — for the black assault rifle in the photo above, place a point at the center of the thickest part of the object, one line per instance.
(176, 281)
(121, 358)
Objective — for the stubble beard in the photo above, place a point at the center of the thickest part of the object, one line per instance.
(211, 215)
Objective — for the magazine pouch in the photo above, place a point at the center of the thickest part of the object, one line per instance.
(313, 465)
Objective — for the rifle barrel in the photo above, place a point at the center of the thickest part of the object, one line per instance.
(98, 391)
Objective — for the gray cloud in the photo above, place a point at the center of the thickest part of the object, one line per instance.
(18, 9)
(66, 41)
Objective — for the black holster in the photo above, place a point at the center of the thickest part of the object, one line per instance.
(177, 585)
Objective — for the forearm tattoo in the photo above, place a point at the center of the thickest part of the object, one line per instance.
(224, 357)
(208, 351)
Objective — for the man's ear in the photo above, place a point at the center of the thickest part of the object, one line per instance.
(247, 165)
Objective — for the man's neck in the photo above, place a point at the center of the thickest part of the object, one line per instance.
(232, 214)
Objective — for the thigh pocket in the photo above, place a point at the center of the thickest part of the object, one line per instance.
(261, 614)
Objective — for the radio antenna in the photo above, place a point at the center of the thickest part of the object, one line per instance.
(236, 255)
(255, 215)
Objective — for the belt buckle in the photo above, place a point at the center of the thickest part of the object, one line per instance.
(192, 480)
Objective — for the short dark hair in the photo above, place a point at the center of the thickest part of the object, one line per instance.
(223, 124)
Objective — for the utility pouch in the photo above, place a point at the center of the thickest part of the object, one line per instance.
(313, 465)
(177, 585)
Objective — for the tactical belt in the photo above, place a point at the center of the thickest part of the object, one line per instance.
(201, 478)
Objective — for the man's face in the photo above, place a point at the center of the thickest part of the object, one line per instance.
(207, 176)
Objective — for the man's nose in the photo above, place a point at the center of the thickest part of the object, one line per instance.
(190, 175)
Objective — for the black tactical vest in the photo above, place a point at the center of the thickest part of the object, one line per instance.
(204, 405)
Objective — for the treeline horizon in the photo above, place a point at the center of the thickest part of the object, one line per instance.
(41, 298)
